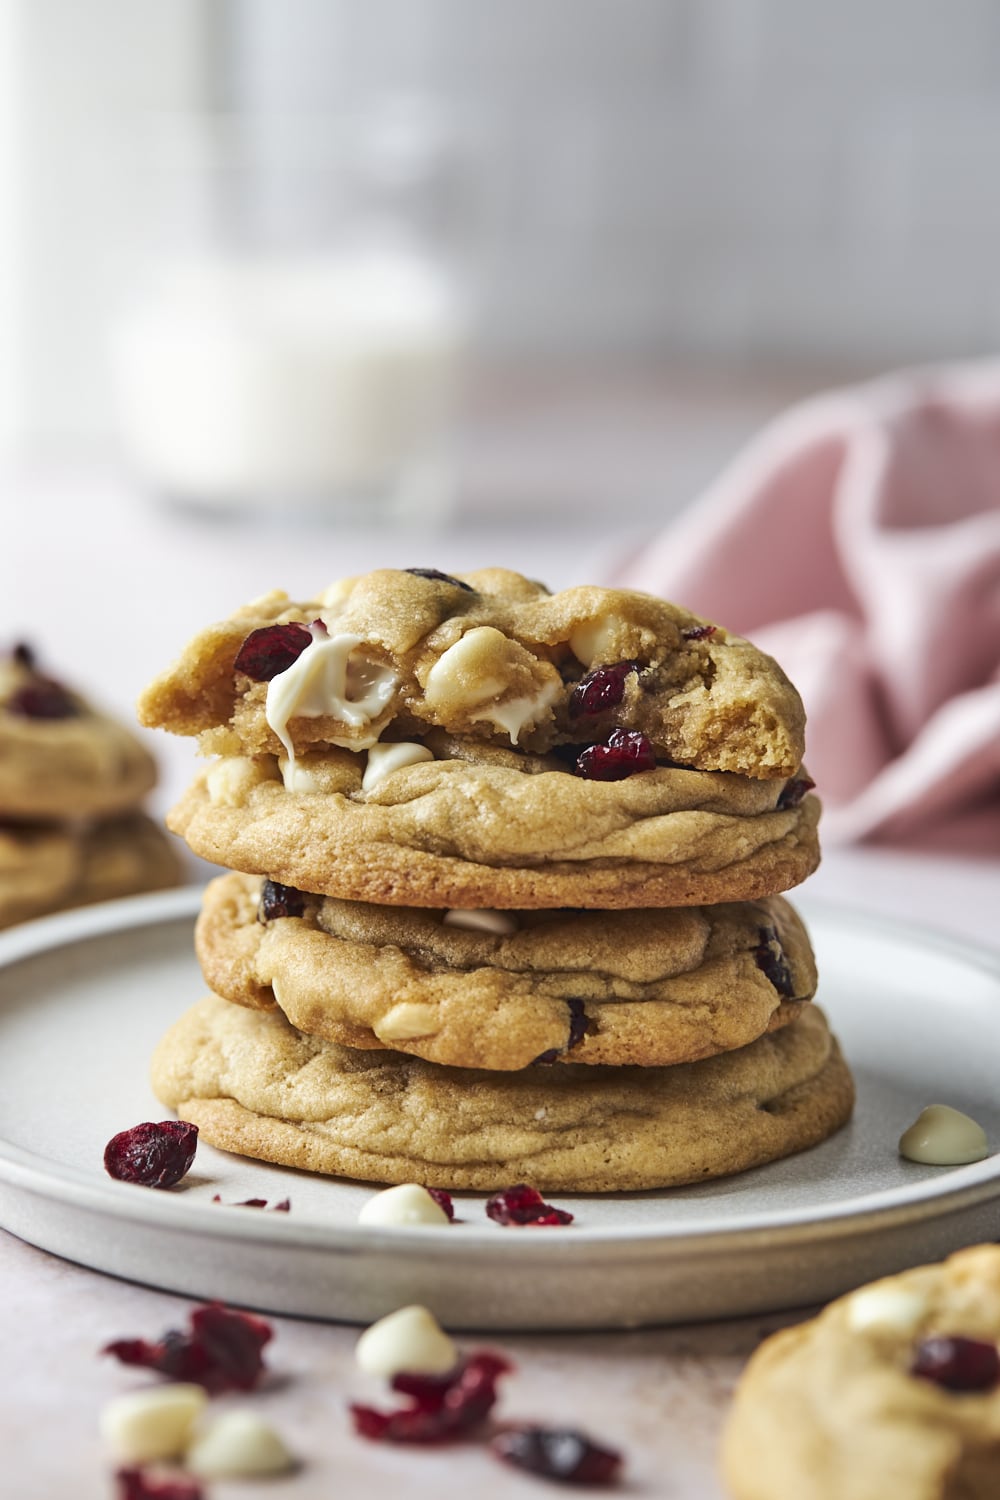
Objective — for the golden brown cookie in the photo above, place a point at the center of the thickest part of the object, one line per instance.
(59, 757)
(256, 1086)
(649, 987)
(490, 656)
(837, 1409)
(45, 869)
(478, 833)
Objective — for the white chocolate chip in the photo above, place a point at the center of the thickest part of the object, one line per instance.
(886, 1309)
(943, 1137)
(482, 920)
(329, 677)
(145, 1426)
(593, 638)
(407, 1204)
(407, 1020)
(238, 1443)
(384, 759)
(458, 674)
(230, 781)
(411, 1340)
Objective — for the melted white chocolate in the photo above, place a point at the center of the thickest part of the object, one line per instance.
(330, 677)
(384, 759)
(943, 1137)
(513, 716)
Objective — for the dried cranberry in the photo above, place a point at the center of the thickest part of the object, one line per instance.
(522, 1204)
(602, 688)
(578, 1027)
(271, 650)
(627, 751)
(699, 632)
(221, 1351)
(24, 656)
(441, 1407)
(139, 1484)
(557, 1453)
(443, 1200)
(959, 1364)
(793, 792)
(277, 900)
(155, 1155)
(435, 577)
(770, 958)
(279, 1208)
(43, 698)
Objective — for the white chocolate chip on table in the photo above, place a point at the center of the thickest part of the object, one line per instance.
(944, 1137)
(410, 1340)
(146, 1426)
(238, 1444)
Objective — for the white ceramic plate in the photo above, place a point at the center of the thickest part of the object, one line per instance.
(84, 997)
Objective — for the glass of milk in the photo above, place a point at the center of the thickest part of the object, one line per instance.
(290, 370)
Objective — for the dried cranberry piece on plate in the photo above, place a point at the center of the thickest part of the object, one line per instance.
(153, 1154)
(522, 1204)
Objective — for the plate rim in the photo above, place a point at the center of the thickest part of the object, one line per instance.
(966, 1186)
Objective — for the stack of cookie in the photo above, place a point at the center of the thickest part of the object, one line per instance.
(505, 903)
(71, 779)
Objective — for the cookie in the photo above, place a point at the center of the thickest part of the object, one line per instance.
(45, 869)
(646, 987)
(256, 1086)
(490, 656)
(483, 834)
(851, 1406)
(59, 757)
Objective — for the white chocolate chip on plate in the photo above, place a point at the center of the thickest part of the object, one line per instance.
(943, 1137)
(410, 1339)
(145, 1426)
(238, 1443)
(407, 1205)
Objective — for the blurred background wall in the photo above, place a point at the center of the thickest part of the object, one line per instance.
(713, 183)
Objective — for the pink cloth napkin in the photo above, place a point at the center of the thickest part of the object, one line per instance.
(858, 541)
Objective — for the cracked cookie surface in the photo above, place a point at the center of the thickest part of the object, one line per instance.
(477, 833)
(830, 1410)
(256, 1086)
(489, 655)
(60, 757)
(51, 869)
(649, 987)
